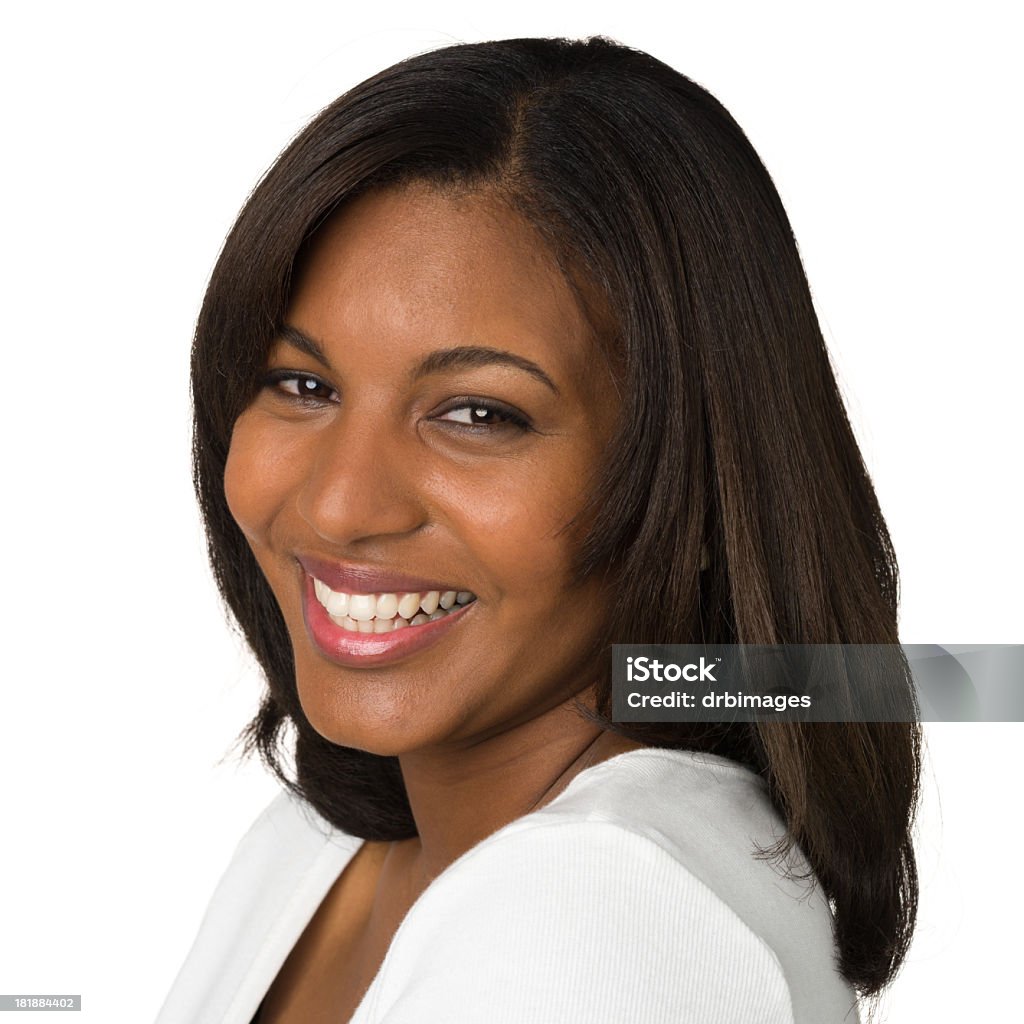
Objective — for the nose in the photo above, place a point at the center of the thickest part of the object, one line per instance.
(361, 483)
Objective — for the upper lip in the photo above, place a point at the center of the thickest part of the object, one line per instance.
(351, 578)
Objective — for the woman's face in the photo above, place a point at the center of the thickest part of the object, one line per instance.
(430, 420)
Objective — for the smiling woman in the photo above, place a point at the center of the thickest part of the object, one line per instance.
(508, 358)
(431, 415)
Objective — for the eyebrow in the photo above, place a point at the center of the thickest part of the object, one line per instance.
(461, 357)
(304, 343)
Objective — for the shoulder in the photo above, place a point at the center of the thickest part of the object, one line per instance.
(285, 840)
(578, 922)
(278, 874)
(595, 908)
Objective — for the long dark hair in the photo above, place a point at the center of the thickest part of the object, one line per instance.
(733, 435)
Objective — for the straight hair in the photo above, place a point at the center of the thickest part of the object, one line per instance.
(733, 438)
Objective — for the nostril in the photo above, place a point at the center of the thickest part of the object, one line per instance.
(354, 491)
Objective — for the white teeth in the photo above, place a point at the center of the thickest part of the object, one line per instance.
(362, 607)
(383, 613)
(386, 625)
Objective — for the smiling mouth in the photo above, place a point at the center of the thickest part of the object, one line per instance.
(387, 612)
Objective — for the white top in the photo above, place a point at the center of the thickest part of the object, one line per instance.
(634, 896)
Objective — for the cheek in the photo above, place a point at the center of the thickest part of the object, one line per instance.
(514, 520)
(256, 476)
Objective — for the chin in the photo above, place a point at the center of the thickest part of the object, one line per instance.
(380, 726)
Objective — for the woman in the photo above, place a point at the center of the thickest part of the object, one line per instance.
(509, 357)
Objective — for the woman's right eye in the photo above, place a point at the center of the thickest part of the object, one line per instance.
(305, 387)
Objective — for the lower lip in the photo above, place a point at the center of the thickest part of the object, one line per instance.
(368, 649)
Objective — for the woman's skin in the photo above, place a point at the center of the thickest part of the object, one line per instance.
(382, 469)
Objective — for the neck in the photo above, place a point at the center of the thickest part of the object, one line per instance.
(459, 796)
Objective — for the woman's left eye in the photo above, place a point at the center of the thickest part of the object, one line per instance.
(484, 414)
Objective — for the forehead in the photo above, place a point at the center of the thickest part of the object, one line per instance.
(413, 269)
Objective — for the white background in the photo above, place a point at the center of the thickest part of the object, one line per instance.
(132, 135)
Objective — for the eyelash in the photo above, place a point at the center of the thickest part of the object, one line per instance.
(510, 416)
(276, 378)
